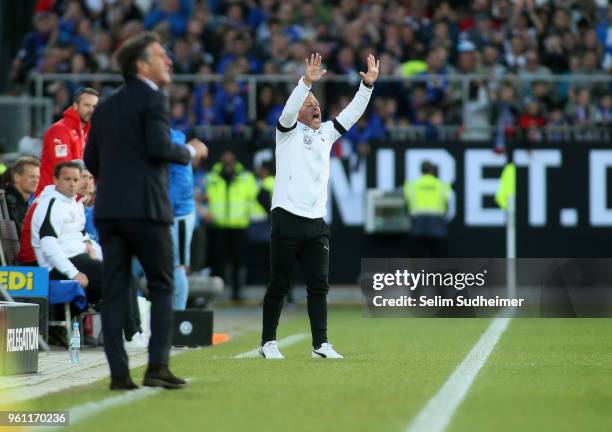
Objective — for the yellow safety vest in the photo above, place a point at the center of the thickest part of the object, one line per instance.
(413, 67)
(230, 204)
(259, 213)
(426, 196)
(507, 186)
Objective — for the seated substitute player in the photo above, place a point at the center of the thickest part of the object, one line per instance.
(58, 234)
(299, 202)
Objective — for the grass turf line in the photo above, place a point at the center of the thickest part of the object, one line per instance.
(393, 367)
(545, 375)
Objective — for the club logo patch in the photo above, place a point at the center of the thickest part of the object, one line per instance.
(308, 141)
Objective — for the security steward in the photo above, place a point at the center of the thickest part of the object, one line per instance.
(427, 201)
(259, 230)
(231, 190)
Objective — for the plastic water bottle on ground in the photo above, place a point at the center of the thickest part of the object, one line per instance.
(75, 344)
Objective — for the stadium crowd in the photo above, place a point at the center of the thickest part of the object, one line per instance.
(519, 53)
(507, 42)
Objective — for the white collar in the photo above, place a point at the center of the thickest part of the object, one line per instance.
(305, 127)
(148, 82)
(58, 195)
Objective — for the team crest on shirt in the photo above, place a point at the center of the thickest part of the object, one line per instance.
(61, 149)
(308, 142)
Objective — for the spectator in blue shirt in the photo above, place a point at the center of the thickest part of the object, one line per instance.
(436, 65)
(273, 115)
(34, 43)
(87, 196)
(604, 34)
(365, 131)
(180, 191)
(238, 48)
(175, 12)
(179, 117)
(230, 107)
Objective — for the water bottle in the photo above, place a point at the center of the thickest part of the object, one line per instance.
(75, 343)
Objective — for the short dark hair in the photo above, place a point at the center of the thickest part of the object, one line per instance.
(134, 49)
(268, 165)
(85, 90)
(428, 168)
(70, 164)
(20, 164)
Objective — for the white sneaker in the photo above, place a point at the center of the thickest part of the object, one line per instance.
(326, 350)
(269, 350)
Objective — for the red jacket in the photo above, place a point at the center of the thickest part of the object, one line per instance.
(64, 141)
(26, 251)
(528, 121)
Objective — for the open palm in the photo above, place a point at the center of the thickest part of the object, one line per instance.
(313, 71)
(372, 74)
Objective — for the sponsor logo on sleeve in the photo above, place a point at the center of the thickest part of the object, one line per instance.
(61, 149)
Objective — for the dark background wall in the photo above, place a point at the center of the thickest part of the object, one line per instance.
(15, 21)
(567, 187)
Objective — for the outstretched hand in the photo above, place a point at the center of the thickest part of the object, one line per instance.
(372, 74)
(313, 71)
(201, 150)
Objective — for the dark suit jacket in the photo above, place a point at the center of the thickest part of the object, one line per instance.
(16, 205)
(128, 151)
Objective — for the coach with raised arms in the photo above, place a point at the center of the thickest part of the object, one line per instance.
(299, 203)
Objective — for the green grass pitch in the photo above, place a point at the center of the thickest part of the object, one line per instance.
(543, 375)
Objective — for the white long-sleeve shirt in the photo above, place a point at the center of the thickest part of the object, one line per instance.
(302, 153)
(58, 232)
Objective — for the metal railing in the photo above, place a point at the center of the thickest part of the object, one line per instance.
(441, 133)
(460, 84)
(23, 116)
(546, 133)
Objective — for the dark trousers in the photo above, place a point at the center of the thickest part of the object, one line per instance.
(306, 241)
(227, 257)
(428, 247)
(92, 268)
(151, 243)
(199, 245)
(259, 266)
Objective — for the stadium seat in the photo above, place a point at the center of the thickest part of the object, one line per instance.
(10, 241)
(67, 292)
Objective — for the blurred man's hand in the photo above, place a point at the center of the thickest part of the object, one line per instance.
(201, 151)
(91, 251)
(82, 279)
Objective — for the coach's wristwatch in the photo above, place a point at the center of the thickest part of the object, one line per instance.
(366, 84)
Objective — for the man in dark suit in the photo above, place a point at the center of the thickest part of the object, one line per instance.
(128, 151)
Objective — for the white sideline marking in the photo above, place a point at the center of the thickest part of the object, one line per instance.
(81, 412)
(437, 414)
(289, 340)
